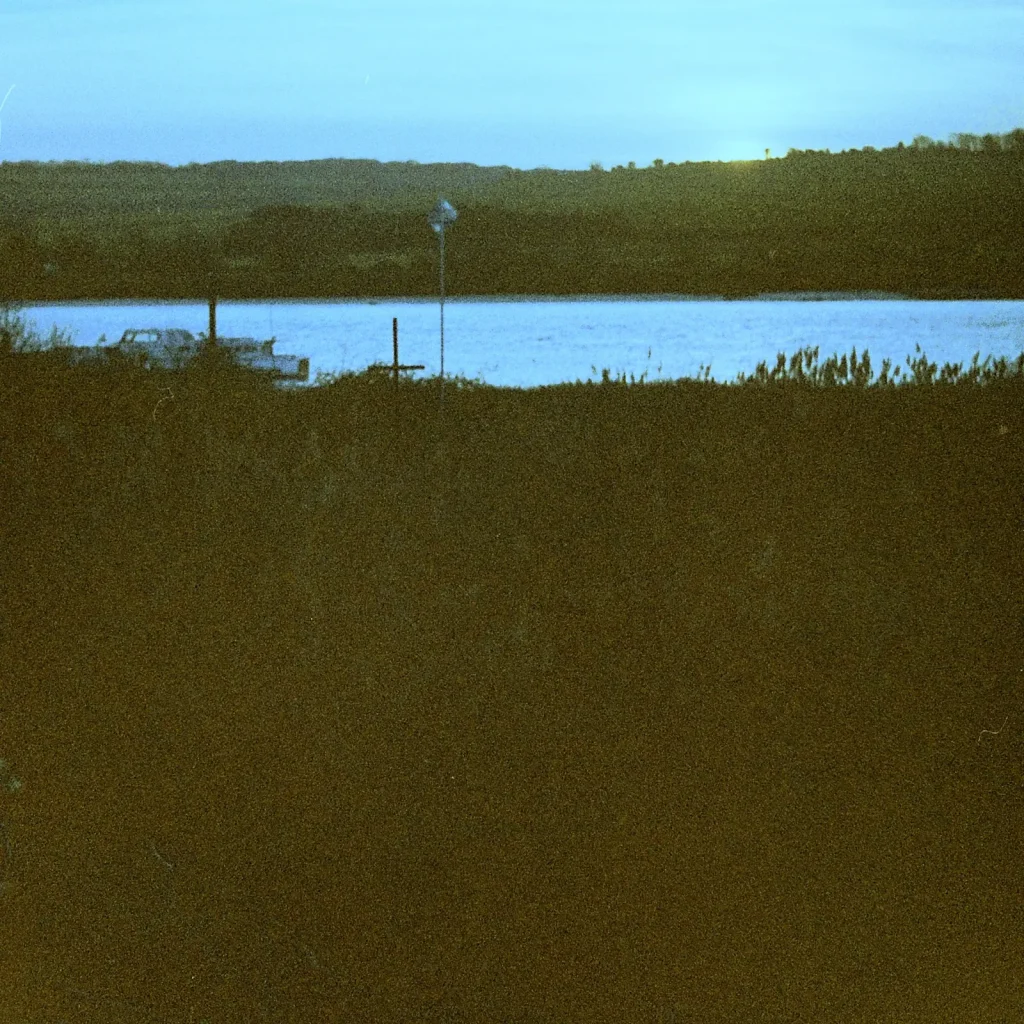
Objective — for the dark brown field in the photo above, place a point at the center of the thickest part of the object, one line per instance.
(610, 703)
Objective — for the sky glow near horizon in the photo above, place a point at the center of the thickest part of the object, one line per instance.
(558, 84)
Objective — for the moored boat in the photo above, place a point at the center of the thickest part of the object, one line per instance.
(174, 348)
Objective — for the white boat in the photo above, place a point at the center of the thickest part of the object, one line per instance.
(174, 348)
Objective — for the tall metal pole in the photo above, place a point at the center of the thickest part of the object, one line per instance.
(443, 213)
(442, 312)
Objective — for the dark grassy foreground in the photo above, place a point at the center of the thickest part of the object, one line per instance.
(607, 703)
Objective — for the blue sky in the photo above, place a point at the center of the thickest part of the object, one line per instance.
(559, 83)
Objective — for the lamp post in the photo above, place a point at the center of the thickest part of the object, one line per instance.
(443, 213)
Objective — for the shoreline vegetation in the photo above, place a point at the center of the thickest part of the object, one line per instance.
(630, 700)
(926, 220)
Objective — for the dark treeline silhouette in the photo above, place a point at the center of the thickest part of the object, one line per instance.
(929, 219)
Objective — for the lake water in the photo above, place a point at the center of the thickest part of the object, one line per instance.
(525, 342)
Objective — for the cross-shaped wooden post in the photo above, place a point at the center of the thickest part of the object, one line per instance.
(395, 366)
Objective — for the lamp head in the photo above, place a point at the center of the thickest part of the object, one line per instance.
(442, 214)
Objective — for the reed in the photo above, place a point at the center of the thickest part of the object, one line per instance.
(842, 371)
(19, 335)
(802, 369)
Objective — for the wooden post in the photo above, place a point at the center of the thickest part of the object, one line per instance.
(396, 366)
(213, 319)
(394, 338)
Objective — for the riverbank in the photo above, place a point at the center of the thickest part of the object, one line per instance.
(925, 222)
(637, 702)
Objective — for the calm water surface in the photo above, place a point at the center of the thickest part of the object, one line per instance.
(534, 341)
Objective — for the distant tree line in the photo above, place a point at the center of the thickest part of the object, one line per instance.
(960, 142)
(928, 219)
